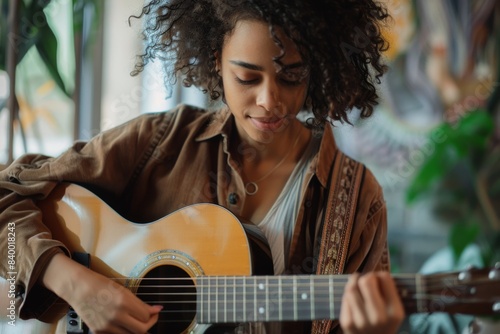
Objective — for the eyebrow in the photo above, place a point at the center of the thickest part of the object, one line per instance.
(247, 65)
(260, 68)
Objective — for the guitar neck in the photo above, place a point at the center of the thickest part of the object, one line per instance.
(282, 298)
(311, 297)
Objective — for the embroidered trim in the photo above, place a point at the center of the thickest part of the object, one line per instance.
(337, 220)
(338, 225)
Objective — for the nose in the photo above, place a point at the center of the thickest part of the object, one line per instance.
(269, 98)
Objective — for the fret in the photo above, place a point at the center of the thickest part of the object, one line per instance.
(295, 316)
(239, 301)
(267, 299)
(249, 304)
(220, 299)
(418, 289)
(303, 298)
(410, 291)
(311, 298)
(254, 299)
(208, 318)
(234, 299)
(200, 300)
(230, 297)
(212, 292)
(216, 299)
(286, 298)
(280, 299)
(279, 296)
(261, 299)
(321, 297)
(275, 298)
(331, 289)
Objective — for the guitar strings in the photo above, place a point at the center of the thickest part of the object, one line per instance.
(407, 285)
(412, 297)
(319, 279)
(286, 308)
(338, 294)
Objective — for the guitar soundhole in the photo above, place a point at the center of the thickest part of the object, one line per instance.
(174, 289)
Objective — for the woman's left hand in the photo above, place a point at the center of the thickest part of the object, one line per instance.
(371, 304)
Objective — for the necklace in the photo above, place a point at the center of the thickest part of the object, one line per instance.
(251, 187)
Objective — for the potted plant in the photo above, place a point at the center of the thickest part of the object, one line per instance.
(462, 176)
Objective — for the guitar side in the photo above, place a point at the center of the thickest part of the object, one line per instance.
(201, 240)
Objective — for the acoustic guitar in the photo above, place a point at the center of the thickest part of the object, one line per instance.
(200, 263)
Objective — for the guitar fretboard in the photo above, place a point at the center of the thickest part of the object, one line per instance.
(269, 298)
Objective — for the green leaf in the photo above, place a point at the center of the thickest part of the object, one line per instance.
(476, 122)
(429, 172)
(462, 235)
(4, 14)
(47, 48)
(475, 128)
(470, 134)
(435, 167)
(31, 19)
(21, 41)
(35, 10)
(78, 8)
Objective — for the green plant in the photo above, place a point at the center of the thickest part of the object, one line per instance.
(462, 176)
(33, 30)
(34, 40)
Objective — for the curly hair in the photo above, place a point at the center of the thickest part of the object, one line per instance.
(340, 42)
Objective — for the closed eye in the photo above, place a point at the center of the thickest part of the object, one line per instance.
(291, 82)
(246, 82)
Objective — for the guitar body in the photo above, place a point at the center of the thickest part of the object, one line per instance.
(198, 240)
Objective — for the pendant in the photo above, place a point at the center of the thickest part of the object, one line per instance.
(251, 188)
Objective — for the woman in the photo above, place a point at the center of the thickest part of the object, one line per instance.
(267, 61)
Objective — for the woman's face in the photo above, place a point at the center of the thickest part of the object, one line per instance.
(263, 101)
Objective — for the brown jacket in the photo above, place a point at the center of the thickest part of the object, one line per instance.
(158, 163)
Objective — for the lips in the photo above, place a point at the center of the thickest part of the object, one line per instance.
(268, 123)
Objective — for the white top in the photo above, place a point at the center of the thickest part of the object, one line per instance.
(279, 222)
(278, 225)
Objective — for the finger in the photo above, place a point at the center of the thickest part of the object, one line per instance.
(152, 322)
(137, 327)
(374, 304)
(113, 329)
(354, 301)
(391, 295)
(346, 318)
(140, 310)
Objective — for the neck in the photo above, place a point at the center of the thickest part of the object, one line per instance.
(276, 149)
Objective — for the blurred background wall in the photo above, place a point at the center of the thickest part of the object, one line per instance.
(433, 142)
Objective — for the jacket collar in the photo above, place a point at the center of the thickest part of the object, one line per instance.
(326, 155)
(221, 123)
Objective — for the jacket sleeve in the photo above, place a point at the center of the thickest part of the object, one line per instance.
(107, 162)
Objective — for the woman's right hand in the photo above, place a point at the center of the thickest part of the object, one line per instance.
(105, 306)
